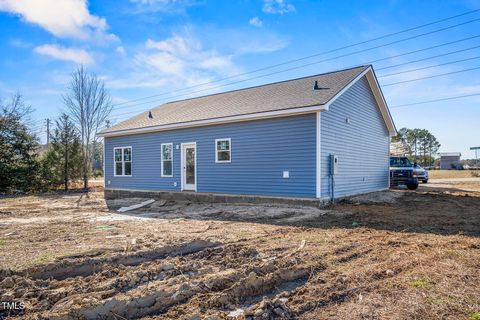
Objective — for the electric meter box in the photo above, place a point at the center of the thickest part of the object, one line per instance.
(333, 164)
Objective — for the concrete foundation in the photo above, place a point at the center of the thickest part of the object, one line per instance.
(198, 197)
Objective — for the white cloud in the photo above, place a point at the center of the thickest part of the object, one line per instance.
(277, 6)
(256, 22)
(63, 19)
(120, 49)
(185, 59)
(182, 56)
(165, 6)
(79, 56)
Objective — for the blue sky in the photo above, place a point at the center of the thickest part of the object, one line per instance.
(149, 47)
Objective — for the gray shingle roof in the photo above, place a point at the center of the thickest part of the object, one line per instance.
(283, 95)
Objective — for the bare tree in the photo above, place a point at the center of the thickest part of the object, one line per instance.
(17, 108)
(89, 105)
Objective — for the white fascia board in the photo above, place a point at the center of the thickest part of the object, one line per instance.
(335, 97)
(378, 95)
(318, 170)
(247, 117)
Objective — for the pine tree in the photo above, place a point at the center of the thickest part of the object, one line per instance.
(18, 163)
(63, 160)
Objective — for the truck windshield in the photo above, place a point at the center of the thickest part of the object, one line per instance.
(400, 162)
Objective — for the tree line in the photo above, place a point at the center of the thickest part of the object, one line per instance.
(73, 145)
(422, 146)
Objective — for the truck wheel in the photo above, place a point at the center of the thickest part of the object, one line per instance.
(412, 186)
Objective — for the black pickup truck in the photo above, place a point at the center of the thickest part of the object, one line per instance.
(402, 172)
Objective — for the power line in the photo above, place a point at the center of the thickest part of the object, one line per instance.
(428, 58)
(429, 77)
(369, 62)
(435, 100)
(321, 53)
(316, 62)
(411, 80)
(428, 67)
(303, 66)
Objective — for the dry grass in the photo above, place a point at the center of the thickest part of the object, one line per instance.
(415, 256)
(448, 174)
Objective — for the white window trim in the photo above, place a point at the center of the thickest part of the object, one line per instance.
(123, 162)
(161, 159)
(229, 150)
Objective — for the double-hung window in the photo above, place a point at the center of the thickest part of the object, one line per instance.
(123, 161)
(223, 150)
(167, 159)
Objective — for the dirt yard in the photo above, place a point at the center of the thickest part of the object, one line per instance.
(388, 255)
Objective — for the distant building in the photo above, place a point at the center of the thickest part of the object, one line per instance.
(450, 160)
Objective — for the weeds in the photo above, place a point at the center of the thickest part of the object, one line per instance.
(474, 316)
(422, 283)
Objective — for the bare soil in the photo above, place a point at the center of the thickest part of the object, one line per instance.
(388, 255)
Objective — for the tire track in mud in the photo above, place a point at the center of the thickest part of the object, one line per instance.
(172, 282)
(68, 268)
(48, 287)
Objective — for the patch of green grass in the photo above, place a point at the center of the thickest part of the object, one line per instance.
(3, 242)
(103, 228)
(474, 316)
(422, 283)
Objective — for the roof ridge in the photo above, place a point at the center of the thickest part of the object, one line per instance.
(265, 84)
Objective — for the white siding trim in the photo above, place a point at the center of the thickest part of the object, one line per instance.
(161, 159)
(318, 154)
(199, 123)
(104, 158)
(229, 150)
(377, 93)
(332, 100)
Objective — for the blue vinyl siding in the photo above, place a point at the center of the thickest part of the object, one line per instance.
(362, 145)
(261, 151)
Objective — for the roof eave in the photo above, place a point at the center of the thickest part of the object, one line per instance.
(215, 121)
(378, 95)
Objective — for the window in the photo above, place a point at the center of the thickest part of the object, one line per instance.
(223, 150)
(123, 161)
(167, 159)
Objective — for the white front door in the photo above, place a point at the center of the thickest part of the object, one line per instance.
(189, 166)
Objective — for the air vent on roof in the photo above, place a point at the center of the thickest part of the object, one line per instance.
(150, 116)
(317, 87)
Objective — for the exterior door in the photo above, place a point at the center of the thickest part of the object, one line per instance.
(189, 163)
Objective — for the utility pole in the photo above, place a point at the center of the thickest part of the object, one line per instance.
(476, 156)
(48, 132)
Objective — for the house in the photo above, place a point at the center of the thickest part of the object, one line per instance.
(270, 140)
(450, 160)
